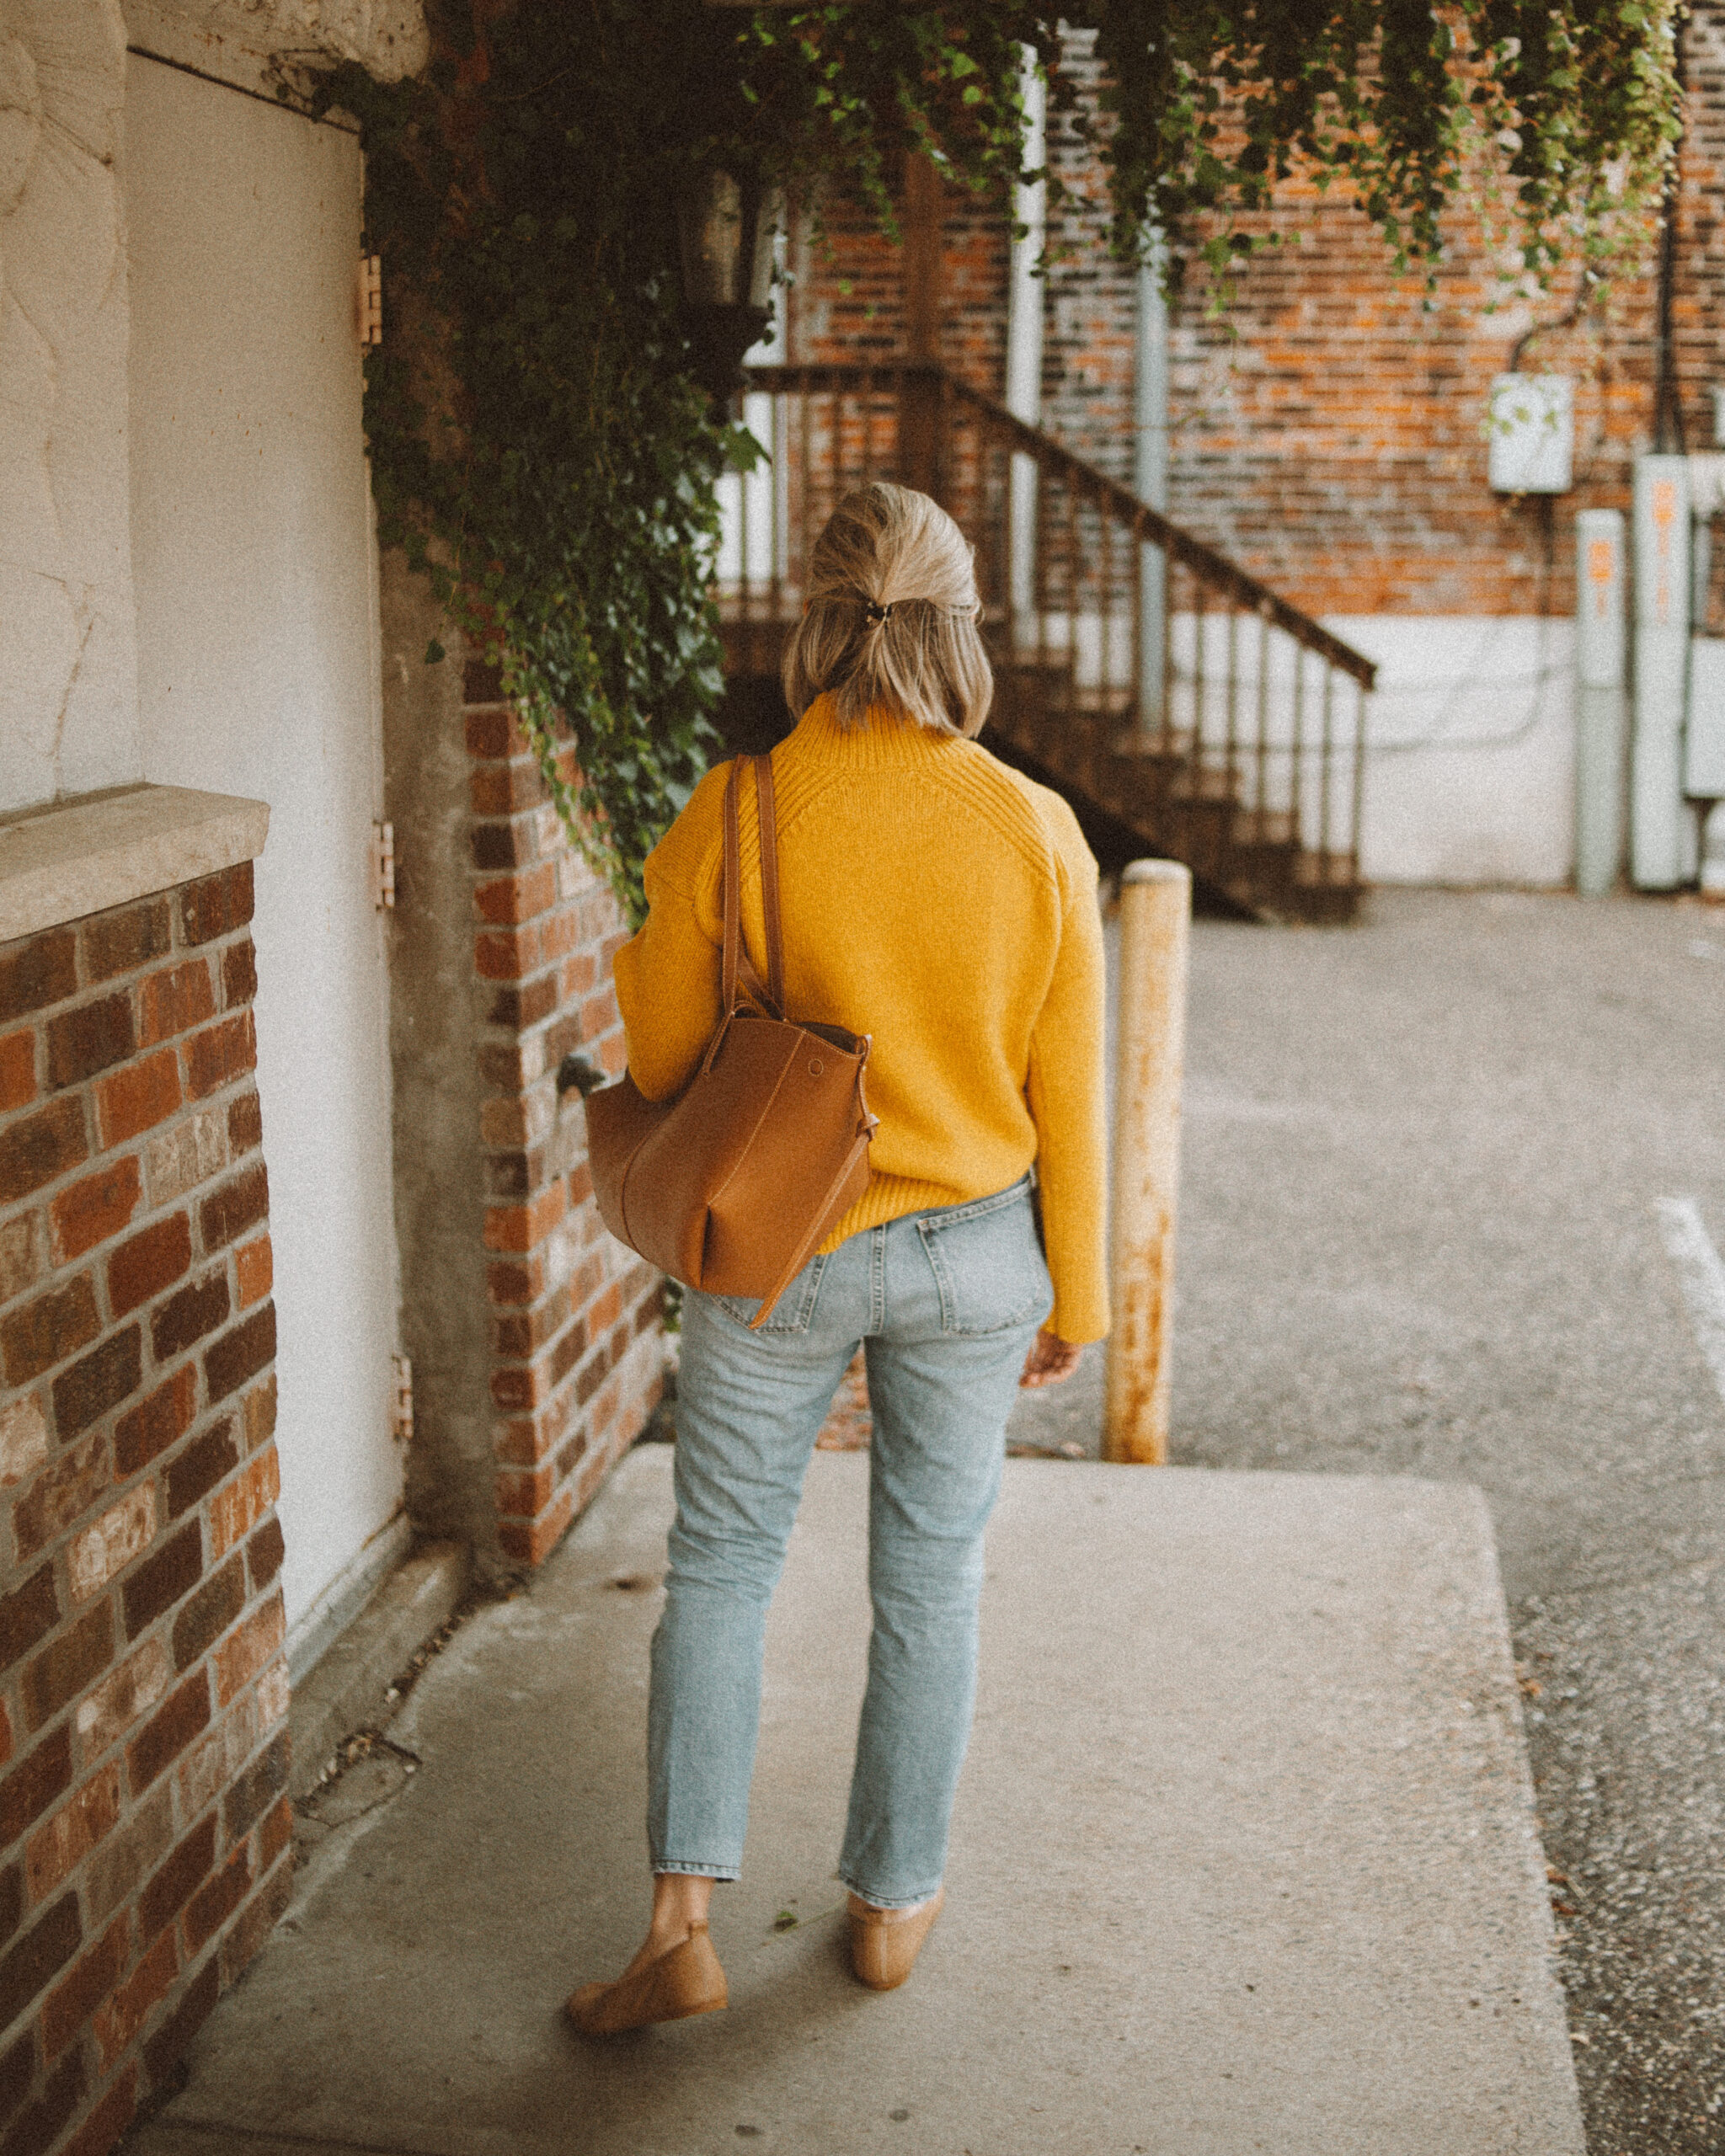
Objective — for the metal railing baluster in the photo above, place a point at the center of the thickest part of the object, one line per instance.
(1232, 719)
(805, 410)
(1263, 726)
(782, 558)
(1169, 587)
(1072, 531)
(1142, 715)
(1325, 776)
(1200, 687)
(1357, 819)
(1296, 759)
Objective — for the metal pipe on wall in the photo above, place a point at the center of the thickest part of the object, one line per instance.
(1024, 305)
(1150, 480)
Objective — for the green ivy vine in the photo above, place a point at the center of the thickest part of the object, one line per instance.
(538, 447)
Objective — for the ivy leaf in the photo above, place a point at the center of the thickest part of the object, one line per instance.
(744, 449)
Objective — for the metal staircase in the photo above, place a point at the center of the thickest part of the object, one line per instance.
(1136, 669)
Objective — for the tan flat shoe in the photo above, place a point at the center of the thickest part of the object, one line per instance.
(884, 1943)
(686, 1979)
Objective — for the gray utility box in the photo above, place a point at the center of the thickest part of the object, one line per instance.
(1704, 747)
(1531, 433)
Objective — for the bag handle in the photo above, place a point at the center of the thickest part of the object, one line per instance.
(733, 895)
(767, 810)
(735, 959)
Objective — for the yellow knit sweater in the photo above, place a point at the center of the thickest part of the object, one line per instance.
(943, 903)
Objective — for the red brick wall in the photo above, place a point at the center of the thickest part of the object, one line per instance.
(848, 301)
(143, 1831)
(1089, 334)
(576, 1359)
(1328, 431)
(1334, 442)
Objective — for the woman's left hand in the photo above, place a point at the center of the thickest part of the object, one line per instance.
(1052, 1361)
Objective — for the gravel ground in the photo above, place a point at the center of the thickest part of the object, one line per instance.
(1418, 1236)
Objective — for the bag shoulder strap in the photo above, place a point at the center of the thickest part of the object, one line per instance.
(737, 969)
(767, 812)
(732, 894)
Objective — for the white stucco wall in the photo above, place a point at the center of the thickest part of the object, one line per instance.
(1469, 773)
(68, 707)
(238, 39)
(257, 676)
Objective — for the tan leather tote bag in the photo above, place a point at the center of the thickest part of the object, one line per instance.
(730, 1186)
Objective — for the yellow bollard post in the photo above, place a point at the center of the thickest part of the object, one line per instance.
(1156, 911)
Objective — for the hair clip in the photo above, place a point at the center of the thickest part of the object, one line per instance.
(877, 613)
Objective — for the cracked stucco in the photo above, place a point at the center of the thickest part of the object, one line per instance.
(388, 38)
(68, 686)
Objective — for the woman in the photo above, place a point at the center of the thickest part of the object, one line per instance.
(947, 906)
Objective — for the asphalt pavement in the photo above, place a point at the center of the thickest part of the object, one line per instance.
(1419, 1234)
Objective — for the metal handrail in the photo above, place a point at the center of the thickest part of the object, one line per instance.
(1147, 525)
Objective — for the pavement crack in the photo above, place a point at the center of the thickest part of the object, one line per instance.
(279, 2136)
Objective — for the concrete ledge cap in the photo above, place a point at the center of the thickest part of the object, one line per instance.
(69, 858)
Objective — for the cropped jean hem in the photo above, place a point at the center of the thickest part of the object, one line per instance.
(879, 1901)
(726, 1874)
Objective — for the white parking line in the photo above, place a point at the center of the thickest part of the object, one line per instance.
(1701, 1271)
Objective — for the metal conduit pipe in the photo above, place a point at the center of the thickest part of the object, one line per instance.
(1149, 479)
(1024, 305)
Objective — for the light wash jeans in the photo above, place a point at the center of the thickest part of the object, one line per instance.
(945, 1305)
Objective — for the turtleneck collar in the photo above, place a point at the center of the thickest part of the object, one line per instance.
(885, 741)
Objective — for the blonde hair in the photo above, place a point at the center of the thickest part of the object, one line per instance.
(890, 621)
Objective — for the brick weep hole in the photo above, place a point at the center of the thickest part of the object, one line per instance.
(144, 1832)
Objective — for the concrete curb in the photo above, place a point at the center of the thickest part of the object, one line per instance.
(344, 1690)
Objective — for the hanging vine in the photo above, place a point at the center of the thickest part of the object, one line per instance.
(538, 447)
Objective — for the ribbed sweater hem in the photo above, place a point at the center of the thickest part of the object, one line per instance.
(890, 1197)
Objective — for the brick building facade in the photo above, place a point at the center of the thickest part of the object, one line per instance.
(264, 1138)
(1328, 433)
(1328, 430)
(144, 1690)
(576, 1365)
(534, 1337)
(144, 1677)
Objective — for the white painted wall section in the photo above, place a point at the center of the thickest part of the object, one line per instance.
(1470, 734)
(1470, 774)
(68, 695)
(257, 676)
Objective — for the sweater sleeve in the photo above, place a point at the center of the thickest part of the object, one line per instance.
(667, 974)
(1066, 1095)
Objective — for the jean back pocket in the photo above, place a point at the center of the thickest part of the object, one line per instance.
(988, 1264)
(794, 1310)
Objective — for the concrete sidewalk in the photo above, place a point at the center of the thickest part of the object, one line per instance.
(1275, 1713)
